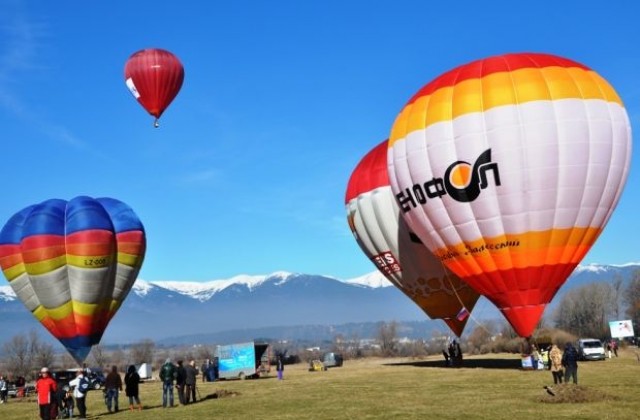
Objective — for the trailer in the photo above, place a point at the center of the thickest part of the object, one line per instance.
(243, 360)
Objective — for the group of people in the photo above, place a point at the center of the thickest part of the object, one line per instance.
(453, 354)
(183, 378)
(564, 366)
(56, 399)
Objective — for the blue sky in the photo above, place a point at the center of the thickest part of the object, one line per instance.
(281, 99)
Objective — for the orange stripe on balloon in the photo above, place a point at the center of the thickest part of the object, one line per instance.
(10, 256)
(90, 242)
(42, 254)
(90, 249)
(131, 242)
(76, 324)
(550, 247)
(446, 102)
(497, 64)
(90, 236)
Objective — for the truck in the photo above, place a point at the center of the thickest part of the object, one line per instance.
(243, 360)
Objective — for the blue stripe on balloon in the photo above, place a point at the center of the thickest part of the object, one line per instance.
(12, 231)
(80, 346)
(123, 217)
(46, 218)
(85, 213)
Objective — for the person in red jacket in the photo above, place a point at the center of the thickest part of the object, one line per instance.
(46, 389)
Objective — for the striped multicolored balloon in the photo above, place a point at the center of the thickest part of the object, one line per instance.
(510, 167)
(374, 219)
(72, 264)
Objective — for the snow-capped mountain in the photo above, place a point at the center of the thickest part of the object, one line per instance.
(161, 309)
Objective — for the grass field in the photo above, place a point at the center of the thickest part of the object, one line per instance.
(486, 387)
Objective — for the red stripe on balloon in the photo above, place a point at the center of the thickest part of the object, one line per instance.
(497, 64)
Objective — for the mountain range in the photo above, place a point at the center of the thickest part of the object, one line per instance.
(279, 306)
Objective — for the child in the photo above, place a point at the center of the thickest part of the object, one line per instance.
(67, 402)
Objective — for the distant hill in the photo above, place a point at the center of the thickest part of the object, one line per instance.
(280, 306)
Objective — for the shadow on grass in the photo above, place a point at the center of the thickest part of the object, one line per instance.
(512, 364)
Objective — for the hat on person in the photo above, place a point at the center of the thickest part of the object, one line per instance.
(44, 370)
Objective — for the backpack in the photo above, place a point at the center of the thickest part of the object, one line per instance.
(84, 385)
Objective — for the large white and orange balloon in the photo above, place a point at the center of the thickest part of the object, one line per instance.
(508, 168)
(374, 219)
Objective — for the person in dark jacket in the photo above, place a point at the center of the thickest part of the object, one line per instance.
(113, 386)
(280, 367)
(131, 381)
(190, 381)
(181, 376)
(167, 376)
(570, 363)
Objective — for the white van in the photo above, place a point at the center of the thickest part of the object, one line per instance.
(590, 349)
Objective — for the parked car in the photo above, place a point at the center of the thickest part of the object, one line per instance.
(12, 390)
(96, 377)
(590, 349)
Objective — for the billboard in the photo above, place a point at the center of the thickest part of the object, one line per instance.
(620, 329)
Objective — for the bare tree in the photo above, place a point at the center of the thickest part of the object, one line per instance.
(43, 355)
(142, 352)
(17, 356)
(632, 299)
(479, 340)
(203, 352)
(119, 358)
(585, 311)
(617, 291)
(99, 356)
(387, 338)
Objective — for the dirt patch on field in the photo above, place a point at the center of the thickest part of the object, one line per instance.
(570, 393)
(221, 393)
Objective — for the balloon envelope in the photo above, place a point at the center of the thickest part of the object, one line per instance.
(154, 76)
(72, 264)
(509, 168)
(375, 221)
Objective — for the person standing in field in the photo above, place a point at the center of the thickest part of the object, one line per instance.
(555, 360)
(131, 383)
(167, 375)
(80, 387)
(191, 374)
(181, 376)
(570, 363)
(113, 386)
(46, 388)
(280, 367)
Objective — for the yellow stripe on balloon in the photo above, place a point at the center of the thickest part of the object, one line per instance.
(529, 249)
(46, 266)
(40, 313)
(15, 271)
(129, 259)
(500, 89)
(89, 261)
(73, 306)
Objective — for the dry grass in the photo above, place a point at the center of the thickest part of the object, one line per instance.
(487, 387)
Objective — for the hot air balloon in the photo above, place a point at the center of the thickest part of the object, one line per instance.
(72, 264)
(509, 168)
(154, 76)
(382, 234)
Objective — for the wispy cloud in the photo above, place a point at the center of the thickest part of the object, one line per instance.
(202, 177)
(23, 40)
